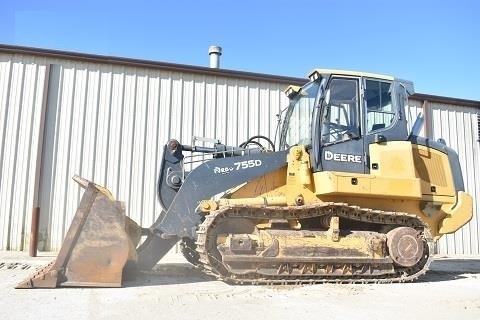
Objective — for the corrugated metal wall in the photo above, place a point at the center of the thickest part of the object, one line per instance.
(108, 122)
(22, 80)
(459, 128)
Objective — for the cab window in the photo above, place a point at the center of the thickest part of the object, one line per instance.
(378, 98)
(340, 114)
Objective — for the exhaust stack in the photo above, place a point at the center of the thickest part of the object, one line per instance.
(215, 52)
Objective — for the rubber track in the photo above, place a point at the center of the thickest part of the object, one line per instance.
(211, 265)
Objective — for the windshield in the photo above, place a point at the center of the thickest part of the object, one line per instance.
(297, 123)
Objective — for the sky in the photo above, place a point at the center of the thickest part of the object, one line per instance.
(435, 44)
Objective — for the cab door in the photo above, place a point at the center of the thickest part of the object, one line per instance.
(341, 143)
(384, 105)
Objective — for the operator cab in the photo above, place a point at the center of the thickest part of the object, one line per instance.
(338, 114)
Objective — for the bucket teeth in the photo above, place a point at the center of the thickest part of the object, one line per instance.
(46, 277)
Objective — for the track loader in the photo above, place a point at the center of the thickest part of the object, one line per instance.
(351, 195)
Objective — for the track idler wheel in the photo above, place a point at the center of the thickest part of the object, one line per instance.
(406, 246)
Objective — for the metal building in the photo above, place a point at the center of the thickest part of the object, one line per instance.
(107, 119)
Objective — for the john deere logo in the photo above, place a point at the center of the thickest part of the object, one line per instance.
(342, 157)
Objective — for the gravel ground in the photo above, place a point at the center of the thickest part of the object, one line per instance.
(175, 290)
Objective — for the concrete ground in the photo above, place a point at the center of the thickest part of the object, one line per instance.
(175, 290)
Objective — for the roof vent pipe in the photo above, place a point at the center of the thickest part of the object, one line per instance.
(215, 52)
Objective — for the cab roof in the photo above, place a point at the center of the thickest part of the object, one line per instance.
(351, 73)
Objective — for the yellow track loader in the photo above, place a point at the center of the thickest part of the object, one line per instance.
(351, 195)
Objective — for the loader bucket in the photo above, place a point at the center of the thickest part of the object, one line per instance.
(99, 244)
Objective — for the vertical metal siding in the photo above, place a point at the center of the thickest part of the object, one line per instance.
(458, 126)
(21, 95)
(108, 123)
